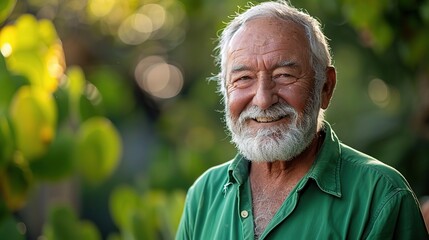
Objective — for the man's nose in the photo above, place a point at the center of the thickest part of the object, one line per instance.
(265, 94)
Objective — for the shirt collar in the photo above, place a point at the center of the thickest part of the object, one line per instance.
(238, 170)
(325, 170)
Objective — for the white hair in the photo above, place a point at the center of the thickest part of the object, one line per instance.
(320, 57)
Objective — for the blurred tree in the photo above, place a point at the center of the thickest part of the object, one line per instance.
(38, 142)
(398, 34)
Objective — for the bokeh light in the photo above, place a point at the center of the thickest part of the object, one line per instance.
(100, 8)
(379, 92)
(135, 29)
(6, 50)
(142, 23)
(92, 93)
(158, 78)
(156, 13)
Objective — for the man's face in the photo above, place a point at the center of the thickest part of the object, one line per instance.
(270, 106)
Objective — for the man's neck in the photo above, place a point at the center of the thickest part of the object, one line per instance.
(271, 183)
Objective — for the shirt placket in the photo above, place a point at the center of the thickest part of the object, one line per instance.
(245, 210)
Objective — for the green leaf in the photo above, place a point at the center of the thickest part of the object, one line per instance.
(98, 149)
(27, 32)
(88, 231)
(47, 32)
(6, 86)
(424, 12)
(7, 141)
(153, 203)
(6, 7)
(173, 211)
(63, 224)
(28, 64)
(15, 183)
(76, 79)
(4, 210)
(33, 115)
(32, 49)
(76, 86)
(123, 202)
(114, 236)
(58, 162)
(9, 229)
(143, 227)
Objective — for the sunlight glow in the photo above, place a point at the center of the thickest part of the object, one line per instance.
(158, 78)
(379, 92)
(163, 80)
(156, 13)
(142, 23)
(6, 50)
(92, 93)
(133, 33)
(100, 8)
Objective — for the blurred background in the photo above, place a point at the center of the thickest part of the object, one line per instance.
(107, 116)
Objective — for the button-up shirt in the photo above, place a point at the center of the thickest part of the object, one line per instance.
(345, 195)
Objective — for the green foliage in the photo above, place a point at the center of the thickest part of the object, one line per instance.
(9, 229)
(98, 149)
(397, 133)
(6, 145)
(8, 87)
(391, 26)
(152, 215)
(40, 57)
(58, 161)
(115, 91)
(6, 7)
(370, 23)
(39, 141)
(63, 224)
(33, 137)
(76, 88)
(15, 182)
(33, 110)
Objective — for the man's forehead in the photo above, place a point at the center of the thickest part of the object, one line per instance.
(268, 26)
(265, 35)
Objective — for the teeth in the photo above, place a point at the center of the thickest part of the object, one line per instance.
(266, 119)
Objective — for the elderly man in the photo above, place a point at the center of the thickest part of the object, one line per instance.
(292, 177)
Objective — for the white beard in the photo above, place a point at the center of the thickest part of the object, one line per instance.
(282, 142)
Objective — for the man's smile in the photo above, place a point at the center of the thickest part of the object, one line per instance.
(267, 119)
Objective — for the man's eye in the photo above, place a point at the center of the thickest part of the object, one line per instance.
(244, 78)
(242, 81)
(285, 78)
(283, 75)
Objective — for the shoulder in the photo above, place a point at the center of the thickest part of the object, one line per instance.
(370, 170)
(199, 197)
(384, 194)
(213, 178)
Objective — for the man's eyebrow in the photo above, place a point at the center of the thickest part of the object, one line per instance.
(286, 63)
(239, 68)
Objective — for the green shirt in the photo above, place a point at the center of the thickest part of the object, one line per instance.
(345, 195)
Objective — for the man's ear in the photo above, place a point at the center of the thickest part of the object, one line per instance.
(328, 87)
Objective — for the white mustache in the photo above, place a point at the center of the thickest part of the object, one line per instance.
(275, 111)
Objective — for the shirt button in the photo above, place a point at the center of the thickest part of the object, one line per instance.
(244, 214)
